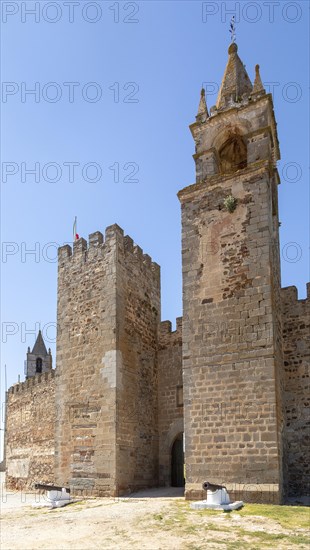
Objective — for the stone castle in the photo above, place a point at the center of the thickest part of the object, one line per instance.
(228, 386)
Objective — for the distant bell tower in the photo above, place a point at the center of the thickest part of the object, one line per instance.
(39, 360)
(232, 346)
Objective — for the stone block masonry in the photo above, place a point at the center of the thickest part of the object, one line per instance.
(30, 432)
(231, 411)
(232, 337)
(138, 318)
(108, 318)
(170, 395)
(296, 346)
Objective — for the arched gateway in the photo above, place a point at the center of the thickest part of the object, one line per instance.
(177, 462)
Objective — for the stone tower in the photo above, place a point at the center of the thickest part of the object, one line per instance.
(232, 348)
(108, 314)
(38, 360)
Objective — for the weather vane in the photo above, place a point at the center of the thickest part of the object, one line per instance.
(232, 29)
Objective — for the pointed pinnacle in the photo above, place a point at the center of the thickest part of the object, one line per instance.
(258, 85)
(202, 114)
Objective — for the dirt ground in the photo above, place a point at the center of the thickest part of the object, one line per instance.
(155, 519)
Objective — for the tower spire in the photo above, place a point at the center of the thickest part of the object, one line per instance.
(236, 81)
(39, 346)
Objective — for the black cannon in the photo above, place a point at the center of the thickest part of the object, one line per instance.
(50, 487)
(207, 486)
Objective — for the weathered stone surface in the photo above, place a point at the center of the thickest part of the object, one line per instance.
(296, 347)
(232, 345)
(170, 395)
(108, 319)
(236, 82)
(137, 325)
(30, 432)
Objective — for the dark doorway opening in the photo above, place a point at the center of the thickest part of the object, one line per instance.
(177, 462)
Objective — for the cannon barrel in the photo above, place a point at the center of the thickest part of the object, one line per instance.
(50, 487)
(207, 486)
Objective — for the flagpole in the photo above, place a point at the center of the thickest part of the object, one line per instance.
(75, 229)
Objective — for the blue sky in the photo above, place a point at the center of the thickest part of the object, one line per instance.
(117, 84)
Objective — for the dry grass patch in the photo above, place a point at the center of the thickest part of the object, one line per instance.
(256, 526)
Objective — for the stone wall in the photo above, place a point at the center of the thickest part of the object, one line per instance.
(138, 318)
(230, 348)
(87, 364)
(170, 395)
(30, 437)
(296, 342)
(108, 317)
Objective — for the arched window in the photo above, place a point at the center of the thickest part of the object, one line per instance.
(39, 365)
(233, 155)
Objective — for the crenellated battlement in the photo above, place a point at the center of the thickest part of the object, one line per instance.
(166, 326)
(167, 336)
(99, 244)
(289, 296)
(31, 382)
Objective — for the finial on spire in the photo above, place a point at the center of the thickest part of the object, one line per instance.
(202, 114)
(232, 29)
(233, 48)
(258, 85)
